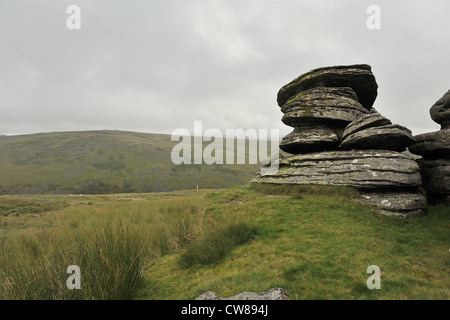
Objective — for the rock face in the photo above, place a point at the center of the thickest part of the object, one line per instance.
(388, 137)
(434, 147)
(403, 204)
(359, 77)
(363, 169)
(311, 138)
(340, 139)
(436, 175)
(322, 105)
(433, 144)
(272, 294)
(373, 131)
(319, 116)
(373, 119)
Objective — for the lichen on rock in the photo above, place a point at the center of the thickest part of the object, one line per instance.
(340, 139)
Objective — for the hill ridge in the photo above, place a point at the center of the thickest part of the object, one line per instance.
(104, 161)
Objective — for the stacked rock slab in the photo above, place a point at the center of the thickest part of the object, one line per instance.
(373, 131)
(434, 147)
(319, 105)
(340, 139)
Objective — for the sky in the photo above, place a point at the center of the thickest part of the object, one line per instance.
(156, 66)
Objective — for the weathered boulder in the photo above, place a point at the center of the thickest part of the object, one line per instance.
(389, 137)
(373, 119)
(401, 203)
(339, 139)
(358, 77)
(271, 294)
(436, 175)
(434, 147)
(363, 169)
(440, 111)
(322, 105)
(312, 138)
(432, 144)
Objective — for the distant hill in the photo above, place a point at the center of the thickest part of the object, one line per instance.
(90, 162)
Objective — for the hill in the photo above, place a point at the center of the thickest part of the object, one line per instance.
(104, 162)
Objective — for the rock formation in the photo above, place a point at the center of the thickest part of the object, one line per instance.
(363, 169)
(359, 77)
(440, 111)
(434, 147)
(271, 294)
(340, 139)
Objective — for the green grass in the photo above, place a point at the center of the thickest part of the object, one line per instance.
(104, 162)
(109, 241)
(216, 238)
(109, 254)
(315, 242)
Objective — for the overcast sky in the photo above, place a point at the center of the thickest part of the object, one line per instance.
(155, 66)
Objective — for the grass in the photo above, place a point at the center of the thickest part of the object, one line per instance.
(315, 242)
(216, 238)
(110, 242)
(110, 257)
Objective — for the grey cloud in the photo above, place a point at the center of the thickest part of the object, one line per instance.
(156, 66)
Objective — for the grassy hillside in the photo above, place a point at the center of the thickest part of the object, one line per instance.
(104, 162)
(315, 242)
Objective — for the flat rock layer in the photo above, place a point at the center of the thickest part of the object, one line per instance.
(366, 121)
(322, 105)
(390, 137)
(436, 175)
(307, 139)
(271, 294)
(358, 77)
(401, 203)
(440, 111)
(432, 144)
(363, 169)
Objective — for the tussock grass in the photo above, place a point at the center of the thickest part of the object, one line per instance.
(109, 255)
(216, 238)
(109, 242)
